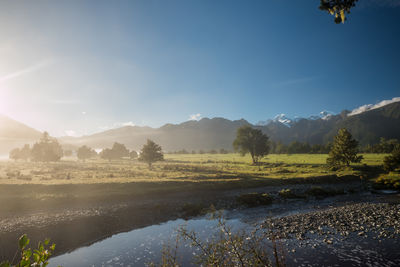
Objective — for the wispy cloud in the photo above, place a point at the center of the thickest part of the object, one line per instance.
(25, 71)
(294, 81)
(195, 117)
(371, 106)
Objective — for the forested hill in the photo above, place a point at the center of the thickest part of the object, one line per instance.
(216, 133)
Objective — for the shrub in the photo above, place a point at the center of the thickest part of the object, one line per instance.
(254, 199)
(287, 193)
(37, 257)
(320, 192)
(226, 248)
(388, 181)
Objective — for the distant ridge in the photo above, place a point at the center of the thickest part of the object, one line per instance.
(216, 133)
(15, 134)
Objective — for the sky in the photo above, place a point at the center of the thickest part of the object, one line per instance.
(80, 67)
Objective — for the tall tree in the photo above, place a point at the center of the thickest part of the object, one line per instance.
(392, 161)
(47, 149)
(344, 150)
(151, 152)
(253, 141)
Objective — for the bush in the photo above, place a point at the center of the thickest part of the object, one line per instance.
(388, 181)
(287, 193)
(38, 257)
(320, 192)
(254, 199)
(226, 248)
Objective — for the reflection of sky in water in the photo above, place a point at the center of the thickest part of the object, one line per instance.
(139, 246)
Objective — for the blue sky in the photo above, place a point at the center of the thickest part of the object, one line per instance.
(79, 67)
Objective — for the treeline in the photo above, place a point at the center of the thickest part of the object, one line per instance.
(295, 147)
(384, 146)
(48, 149)
(201, 151)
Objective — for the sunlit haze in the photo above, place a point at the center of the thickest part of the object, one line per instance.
(79, 67)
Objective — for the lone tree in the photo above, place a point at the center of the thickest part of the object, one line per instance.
(85, 152)
(253, 141)
(47, 149)
(391, 162)
(344, 150)
(151, 152)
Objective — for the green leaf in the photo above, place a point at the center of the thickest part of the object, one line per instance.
(46, 241)
(28, 253)
(36, 257)
(23, 241)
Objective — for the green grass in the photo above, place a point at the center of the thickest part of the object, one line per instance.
(195, 168)
(75, 183)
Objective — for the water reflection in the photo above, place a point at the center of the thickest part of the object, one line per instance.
(141, 246)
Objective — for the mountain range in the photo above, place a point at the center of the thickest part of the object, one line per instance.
(216, 133)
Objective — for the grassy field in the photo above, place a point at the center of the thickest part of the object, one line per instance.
(195, 168)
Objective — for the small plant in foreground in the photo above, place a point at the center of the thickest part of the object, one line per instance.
(28, 258)
(226, 248)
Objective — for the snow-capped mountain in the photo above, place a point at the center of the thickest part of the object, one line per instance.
(285, 120)
(367, 107)
(281, 118)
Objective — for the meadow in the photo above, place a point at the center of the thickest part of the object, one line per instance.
(71, 182)
(195, 168)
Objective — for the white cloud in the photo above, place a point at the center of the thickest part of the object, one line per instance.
(83, 112)
(371, 106)
(195, 117)
(71, 133)
(129, 123)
